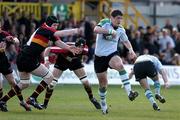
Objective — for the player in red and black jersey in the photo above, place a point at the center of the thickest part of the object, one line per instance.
(28, 60)
(67, 60)
(5, 67)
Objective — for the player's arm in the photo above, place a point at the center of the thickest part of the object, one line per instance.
(46, 56)
(164, 77)
(63, 33)
(128, 45)
(46, 53)
(101, 30)
(63, 45)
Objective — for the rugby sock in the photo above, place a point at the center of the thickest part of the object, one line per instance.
(157, 87)
(19, 95)
(11, 93)
(88, 91)
(1, 92)
(125, 81)
(102, 94)
(39, 89)
(49, 93)
(149, 96)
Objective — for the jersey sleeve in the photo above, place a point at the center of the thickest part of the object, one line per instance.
(103, 22)
(158, 64)
(123, 36)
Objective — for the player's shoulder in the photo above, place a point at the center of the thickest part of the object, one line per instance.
(104, 21)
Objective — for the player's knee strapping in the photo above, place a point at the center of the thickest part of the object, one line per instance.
(48, 77)
(53, 83)
(25, 83)
(83, 79)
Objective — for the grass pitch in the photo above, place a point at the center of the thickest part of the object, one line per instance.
(70, 102)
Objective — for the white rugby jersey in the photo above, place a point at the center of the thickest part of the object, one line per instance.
(105, 47)
(151, 58)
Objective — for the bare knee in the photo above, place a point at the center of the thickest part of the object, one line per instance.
(119, 66)
(24, 84)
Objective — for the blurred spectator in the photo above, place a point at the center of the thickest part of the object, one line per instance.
(148, 41)
(177, 48)
(137, 43)
(178, 27)
(33, 20)
(43, 18)
(88, 35)
(23, 20)
(167, 55)
(176, 59)
(6, 21)
(164, 40)
(174, 34)
(168, 25)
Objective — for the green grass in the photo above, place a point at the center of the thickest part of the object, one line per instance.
(70, 102)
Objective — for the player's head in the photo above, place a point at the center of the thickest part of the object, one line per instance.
(116, 17)
(80, 42)
(52, 21)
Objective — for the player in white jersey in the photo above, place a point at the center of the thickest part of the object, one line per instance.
(149, 66)
(109, 32)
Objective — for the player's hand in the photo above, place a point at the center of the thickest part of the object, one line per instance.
(81, 31)
(10, 38)
(132, 54)
(166, 85)
(112, 32)
(47, 64)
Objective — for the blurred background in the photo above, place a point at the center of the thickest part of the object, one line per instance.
(152, 26)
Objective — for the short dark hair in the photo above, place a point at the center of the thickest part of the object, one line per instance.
(116, 12)
(80, 42)
(51, 19)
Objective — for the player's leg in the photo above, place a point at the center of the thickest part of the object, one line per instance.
(148, 93)
(47, 76)
(49, 90)
(80, 73)
(24, 83)
(12, 82)
(100, 67)
(103, 83)
(116, 63)
(157, 87)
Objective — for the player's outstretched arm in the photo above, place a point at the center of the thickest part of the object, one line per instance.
(129, 47)
(46, 56)
(63, 45)
(63, 33)
(101, 30)
(165, 79)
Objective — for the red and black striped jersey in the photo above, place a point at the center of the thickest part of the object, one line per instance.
(39, 40)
